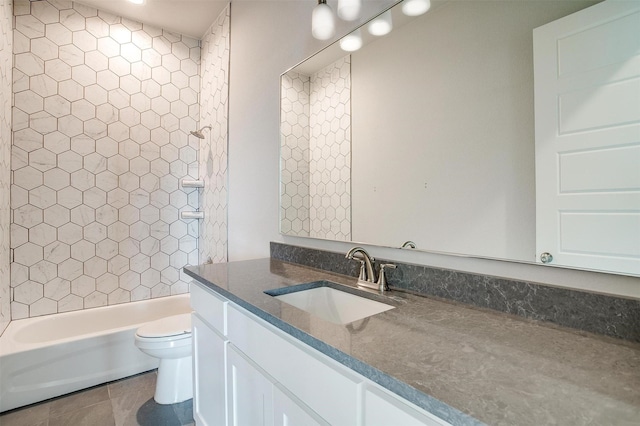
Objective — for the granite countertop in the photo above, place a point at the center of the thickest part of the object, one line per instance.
(458, 362)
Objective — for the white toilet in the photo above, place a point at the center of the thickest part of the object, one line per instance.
(169, 339)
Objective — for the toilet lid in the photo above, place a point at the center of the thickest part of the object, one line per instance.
(168, 326)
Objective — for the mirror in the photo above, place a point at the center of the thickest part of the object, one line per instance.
(425, 134)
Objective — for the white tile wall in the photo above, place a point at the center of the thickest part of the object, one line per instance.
(330, 152)
(316, 153)
(103, 107)
(214, 110)
(6, 61)
(294, 166)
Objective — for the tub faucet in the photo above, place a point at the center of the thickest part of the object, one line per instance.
(367, 277)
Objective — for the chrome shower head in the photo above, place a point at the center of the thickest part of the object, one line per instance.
(198, 133)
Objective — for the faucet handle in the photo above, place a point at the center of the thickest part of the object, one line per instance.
(382, 279)
(363, 270)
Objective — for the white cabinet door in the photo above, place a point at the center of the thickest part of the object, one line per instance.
(288, 412)
(209, 382)
(587, 123)
(250, 393)
(382, 409)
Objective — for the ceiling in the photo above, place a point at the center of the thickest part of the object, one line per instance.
(189, 17)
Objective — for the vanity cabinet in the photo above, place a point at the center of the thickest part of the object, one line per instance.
(210, 348)
(264, 376)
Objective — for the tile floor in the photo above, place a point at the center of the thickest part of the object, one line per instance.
(126, 402)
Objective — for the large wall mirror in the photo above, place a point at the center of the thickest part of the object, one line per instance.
(425, 134)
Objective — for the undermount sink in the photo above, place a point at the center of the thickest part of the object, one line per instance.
(321, 299)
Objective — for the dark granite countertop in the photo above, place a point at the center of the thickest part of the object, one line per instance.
(458, 362)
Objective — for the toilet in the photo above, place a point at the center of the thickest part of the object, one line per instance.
(169, 339)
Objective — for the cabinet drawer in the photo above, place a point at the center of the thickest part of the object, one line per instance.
(320, 383)
(210, 307)
(382, 409)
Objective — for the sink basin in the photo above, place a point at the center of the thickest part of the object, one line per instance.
(328, 303)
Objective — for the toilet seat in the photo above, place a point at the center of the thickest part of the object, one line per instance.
(183, 339)
(174, 327)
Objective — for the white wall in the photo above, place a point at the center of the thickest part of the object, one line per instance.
(267, 38)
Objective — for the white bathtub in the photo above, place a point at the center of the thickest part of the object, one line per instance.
(52, 355)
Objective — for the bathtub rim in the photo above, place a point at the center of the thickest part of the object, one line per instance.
(9, 344)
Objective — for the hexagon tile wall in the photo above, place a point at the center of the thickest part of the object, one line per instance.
(6, 61)
(294, 165)
(316, 153)
(103, 107)
(214, 90)
(330, 152)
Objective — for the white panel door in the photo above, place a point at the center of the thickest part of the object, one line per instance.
(250, 393)
(587, 107)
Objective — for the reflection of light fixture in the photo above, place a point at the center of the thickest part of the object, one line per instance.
(381, 25)
(348, 9)
(137, 1)
(351, 42)
(323, 26)
(415, 7)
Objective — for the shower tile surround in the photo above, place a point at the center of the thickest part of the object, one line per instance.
(214, 107)
(102, 111)
(6, 63)
(601, 314)
(316, 152)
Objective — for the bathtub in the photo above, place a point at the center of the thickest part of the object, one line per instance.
(48, 356)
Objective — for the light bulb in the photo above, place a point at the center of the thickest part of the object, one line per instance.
(415, 7)
(349, 10)
(323, 26)
(351, 42)
(381, 25)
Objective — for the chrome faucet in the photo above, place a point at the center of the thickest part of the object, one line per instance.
(367, 277)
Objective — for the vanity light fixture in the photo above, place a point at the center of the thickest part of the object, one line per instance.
(323, 25)
(415, 7)
(381, 25)
(351, 42)
(137, 1)
(349, 10)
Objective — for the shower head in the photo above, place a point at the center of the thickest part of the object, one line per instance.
(198, 133)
